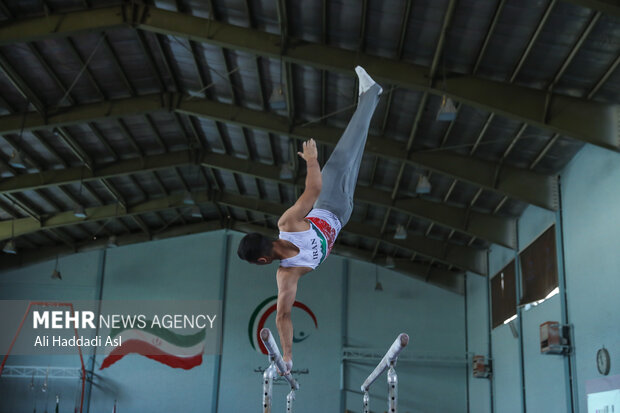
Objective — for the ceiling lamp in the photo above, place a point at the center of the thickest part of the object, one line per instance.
(389, 262)
(447, 110)
(277, 99)
(79, 212)
(378, 286)
(196, 212)
(423, 186)
(188, 199)
(17, 160)
(56, 274)
(286, 172)
(112, 242)
(10, 248)
(401, 232)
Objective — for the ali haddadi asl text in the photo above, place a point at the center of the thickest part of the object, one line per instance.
(58, 341)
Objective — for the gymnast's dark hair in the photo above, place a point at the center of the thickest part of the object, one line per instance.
(253, 246)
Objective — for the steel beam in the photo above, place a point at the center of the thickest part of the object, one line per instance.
(492, 228)
(610, 7)
(450, 280)
(31, 256)
(463, 257)
(591, 122)
(21, 86)
(525, 185)
(460, 256)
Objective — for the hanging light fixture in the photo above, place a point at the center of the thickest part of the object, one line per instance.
(188, 199)
(9, 247)
(277, 100)
(423, 186)
(56, 274)
(286, 171)
(17, 160)
(401, 232)
(447, 110)
(112, 242)
(378, 286)
(196, 213)
(389, 262)
(79, 211)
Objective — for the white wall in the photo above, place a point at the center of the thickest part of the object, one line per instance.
(192, 267)
(433, 318)
(590, 223)
(591, 214)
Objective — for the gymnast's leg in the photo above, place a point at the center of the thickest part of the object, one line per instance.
(341, 170)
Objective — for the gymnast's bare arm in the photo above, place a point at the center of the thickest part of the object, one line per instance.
(293, 219)
(287, 279)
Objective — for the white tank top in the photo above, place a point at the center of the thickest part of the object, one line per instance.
(314, 244)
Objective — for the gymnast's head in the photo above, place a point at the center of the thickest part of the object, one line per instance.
(256, 249)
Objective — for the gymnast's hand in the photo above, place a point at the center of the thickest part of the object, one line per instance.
(289, 367)
(310, 151)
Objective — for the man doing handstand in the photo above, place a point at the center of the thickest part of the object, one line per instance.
(309, 228)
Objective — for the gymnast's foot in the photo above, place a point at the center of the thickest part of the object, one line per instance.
(365, 81)
(289, 367)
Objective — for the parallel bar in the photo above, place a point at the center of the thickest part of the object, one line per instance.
(274, 355)
(389, 360)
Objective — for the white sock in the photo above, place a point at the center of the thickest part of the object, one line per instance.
(365, 81)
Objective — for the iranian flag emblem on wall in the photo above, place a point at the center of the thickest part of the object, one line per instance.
(160, 344)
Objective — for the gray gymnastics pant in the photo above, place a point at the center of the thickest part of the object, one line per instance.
(339, 175)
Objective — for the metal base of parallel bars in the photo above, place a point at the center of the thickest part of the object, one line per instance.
(275, 359)
(387, 362)
(366, 402)
(289, 401)
(268, 377)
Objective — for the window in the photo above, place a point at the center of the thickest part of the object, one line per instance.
(539, 268)
(503, 295)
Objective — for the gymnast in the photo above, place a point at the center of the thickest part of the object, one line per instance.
(309, 228)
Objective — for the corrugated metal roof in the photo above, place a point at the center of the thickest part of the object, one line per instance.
(546, 45)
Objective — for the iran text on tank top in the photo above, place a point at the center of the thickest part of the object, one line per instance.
(314, 244)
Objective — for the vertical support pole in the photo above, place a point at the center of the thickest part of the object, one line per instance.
(366, 401)
(490, 327)
(569, 360)
(518, 278)
(289, 401)
(343, 325)
(268, 377)
(467, 363)
(91, 362)
(218, 357)
(392, 380)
